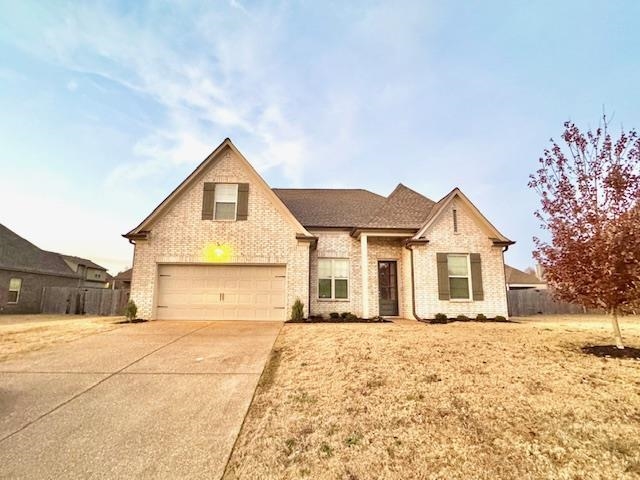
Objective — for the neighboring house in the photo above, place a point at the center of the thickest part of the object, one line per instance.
(224, 245)
(519, 280)
(122, 281)
(24, 270)
(91, 274)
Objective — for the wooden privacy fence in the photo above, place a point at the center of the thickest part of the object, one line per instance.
(79, 301)
(531, 302)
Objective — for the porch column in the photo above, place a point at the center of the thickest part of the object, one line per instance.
(364, 269)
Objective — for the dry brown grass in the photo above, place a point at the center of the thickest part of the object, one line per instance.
(464, 400)
(25, 333)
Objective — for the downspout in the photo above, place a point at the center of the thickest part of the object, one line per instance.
(409, 247)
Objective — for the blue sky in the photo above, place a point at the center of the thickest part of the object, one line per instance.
(107, 106)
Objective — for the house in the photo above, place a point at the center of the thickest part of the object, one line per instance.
(224, 245)
(91, 274)
(24, 270)
(122, 281)
(519, 280)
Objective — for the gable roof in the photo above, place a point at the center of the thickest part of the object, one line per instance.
(441, 205)
(403, 208)
(204, 165)
(17, 253)
(82, 261)
(124, 276)
(518, 277)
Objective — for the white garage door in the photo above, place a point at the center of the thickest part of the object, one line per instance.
(221, 292)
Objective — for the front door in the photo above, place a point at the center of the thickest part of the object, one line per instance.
(388, 288)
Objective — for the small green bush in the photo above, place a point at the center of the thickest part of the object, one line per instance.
(500, 318)
(351, 317)
(462, 318)
(481, 318)
(131, 310)
(344, 315)
(377, 318)
(297, 311)
(334, 315)
(440, 318)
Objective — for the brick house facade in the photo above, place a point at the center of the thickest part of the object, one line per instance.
(224, 245)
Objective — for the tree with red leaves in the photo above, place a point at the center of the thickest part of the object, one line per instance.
(590, 205)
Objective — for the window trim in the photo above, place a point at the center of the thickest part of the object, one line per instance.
(467, 276)
(215, 204)
(19, 290)
(333, 280)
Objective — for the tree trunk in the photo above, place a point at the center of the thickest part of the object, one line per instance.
(616, 329)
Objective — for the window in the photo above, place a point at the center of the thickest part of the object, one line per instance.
(15, 284)
(459, 283)
(333, 278)
(226, 201)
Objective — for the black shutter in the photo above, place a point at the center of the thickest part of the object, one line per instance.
(243, 201)
(208, 196)
(476, 276)
(443, 277)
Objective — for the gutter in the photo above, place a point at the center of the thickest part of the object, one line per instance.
(409, 246)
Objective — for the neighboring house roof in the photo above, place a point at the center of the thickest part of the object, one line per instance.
(514, 276)
(124, 276)
(82, 261)
(17, 253)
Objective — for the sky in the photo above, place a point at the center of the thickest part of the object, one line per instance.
(105, 107)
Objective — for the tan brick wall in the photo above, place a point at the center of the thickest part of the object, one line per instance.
(470, 239)
(339, 244)
(180, 235)
(336, 244)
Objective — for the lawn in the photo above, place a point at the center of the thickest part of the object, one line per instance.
(463, 400)
(25, 333)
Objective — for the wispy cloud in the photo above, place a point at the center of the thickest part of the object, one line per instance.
(207, 93)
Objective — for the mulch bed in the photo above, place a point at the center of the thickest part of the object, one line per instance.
(611, 351)
(135, 320)
(339, 320)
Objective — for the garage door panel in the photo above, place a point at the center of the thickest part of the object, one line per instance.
(193, 292)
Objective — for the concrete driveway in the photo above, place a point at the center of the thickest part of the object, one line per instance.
(152, 400)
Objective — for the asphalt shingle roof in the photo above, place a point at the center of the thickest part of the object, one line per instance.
(403, 208)
(515, 276)
(20, 254)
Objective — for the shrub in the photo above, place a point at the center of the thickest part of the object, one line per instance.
(481, 318)
(131, 310)
(462, 318)
(344, 315)
(440, 318)
(377, 318)
(500, 318)
(297, 311)
(350, 317)
(334, 315)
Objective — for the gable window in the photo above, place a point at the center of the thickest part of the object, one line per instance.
(333, 278)
(459, 281)
(15, 285)
(226, 201)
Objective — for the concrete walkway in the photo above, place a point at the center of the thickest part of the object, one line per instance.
(152, 400)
